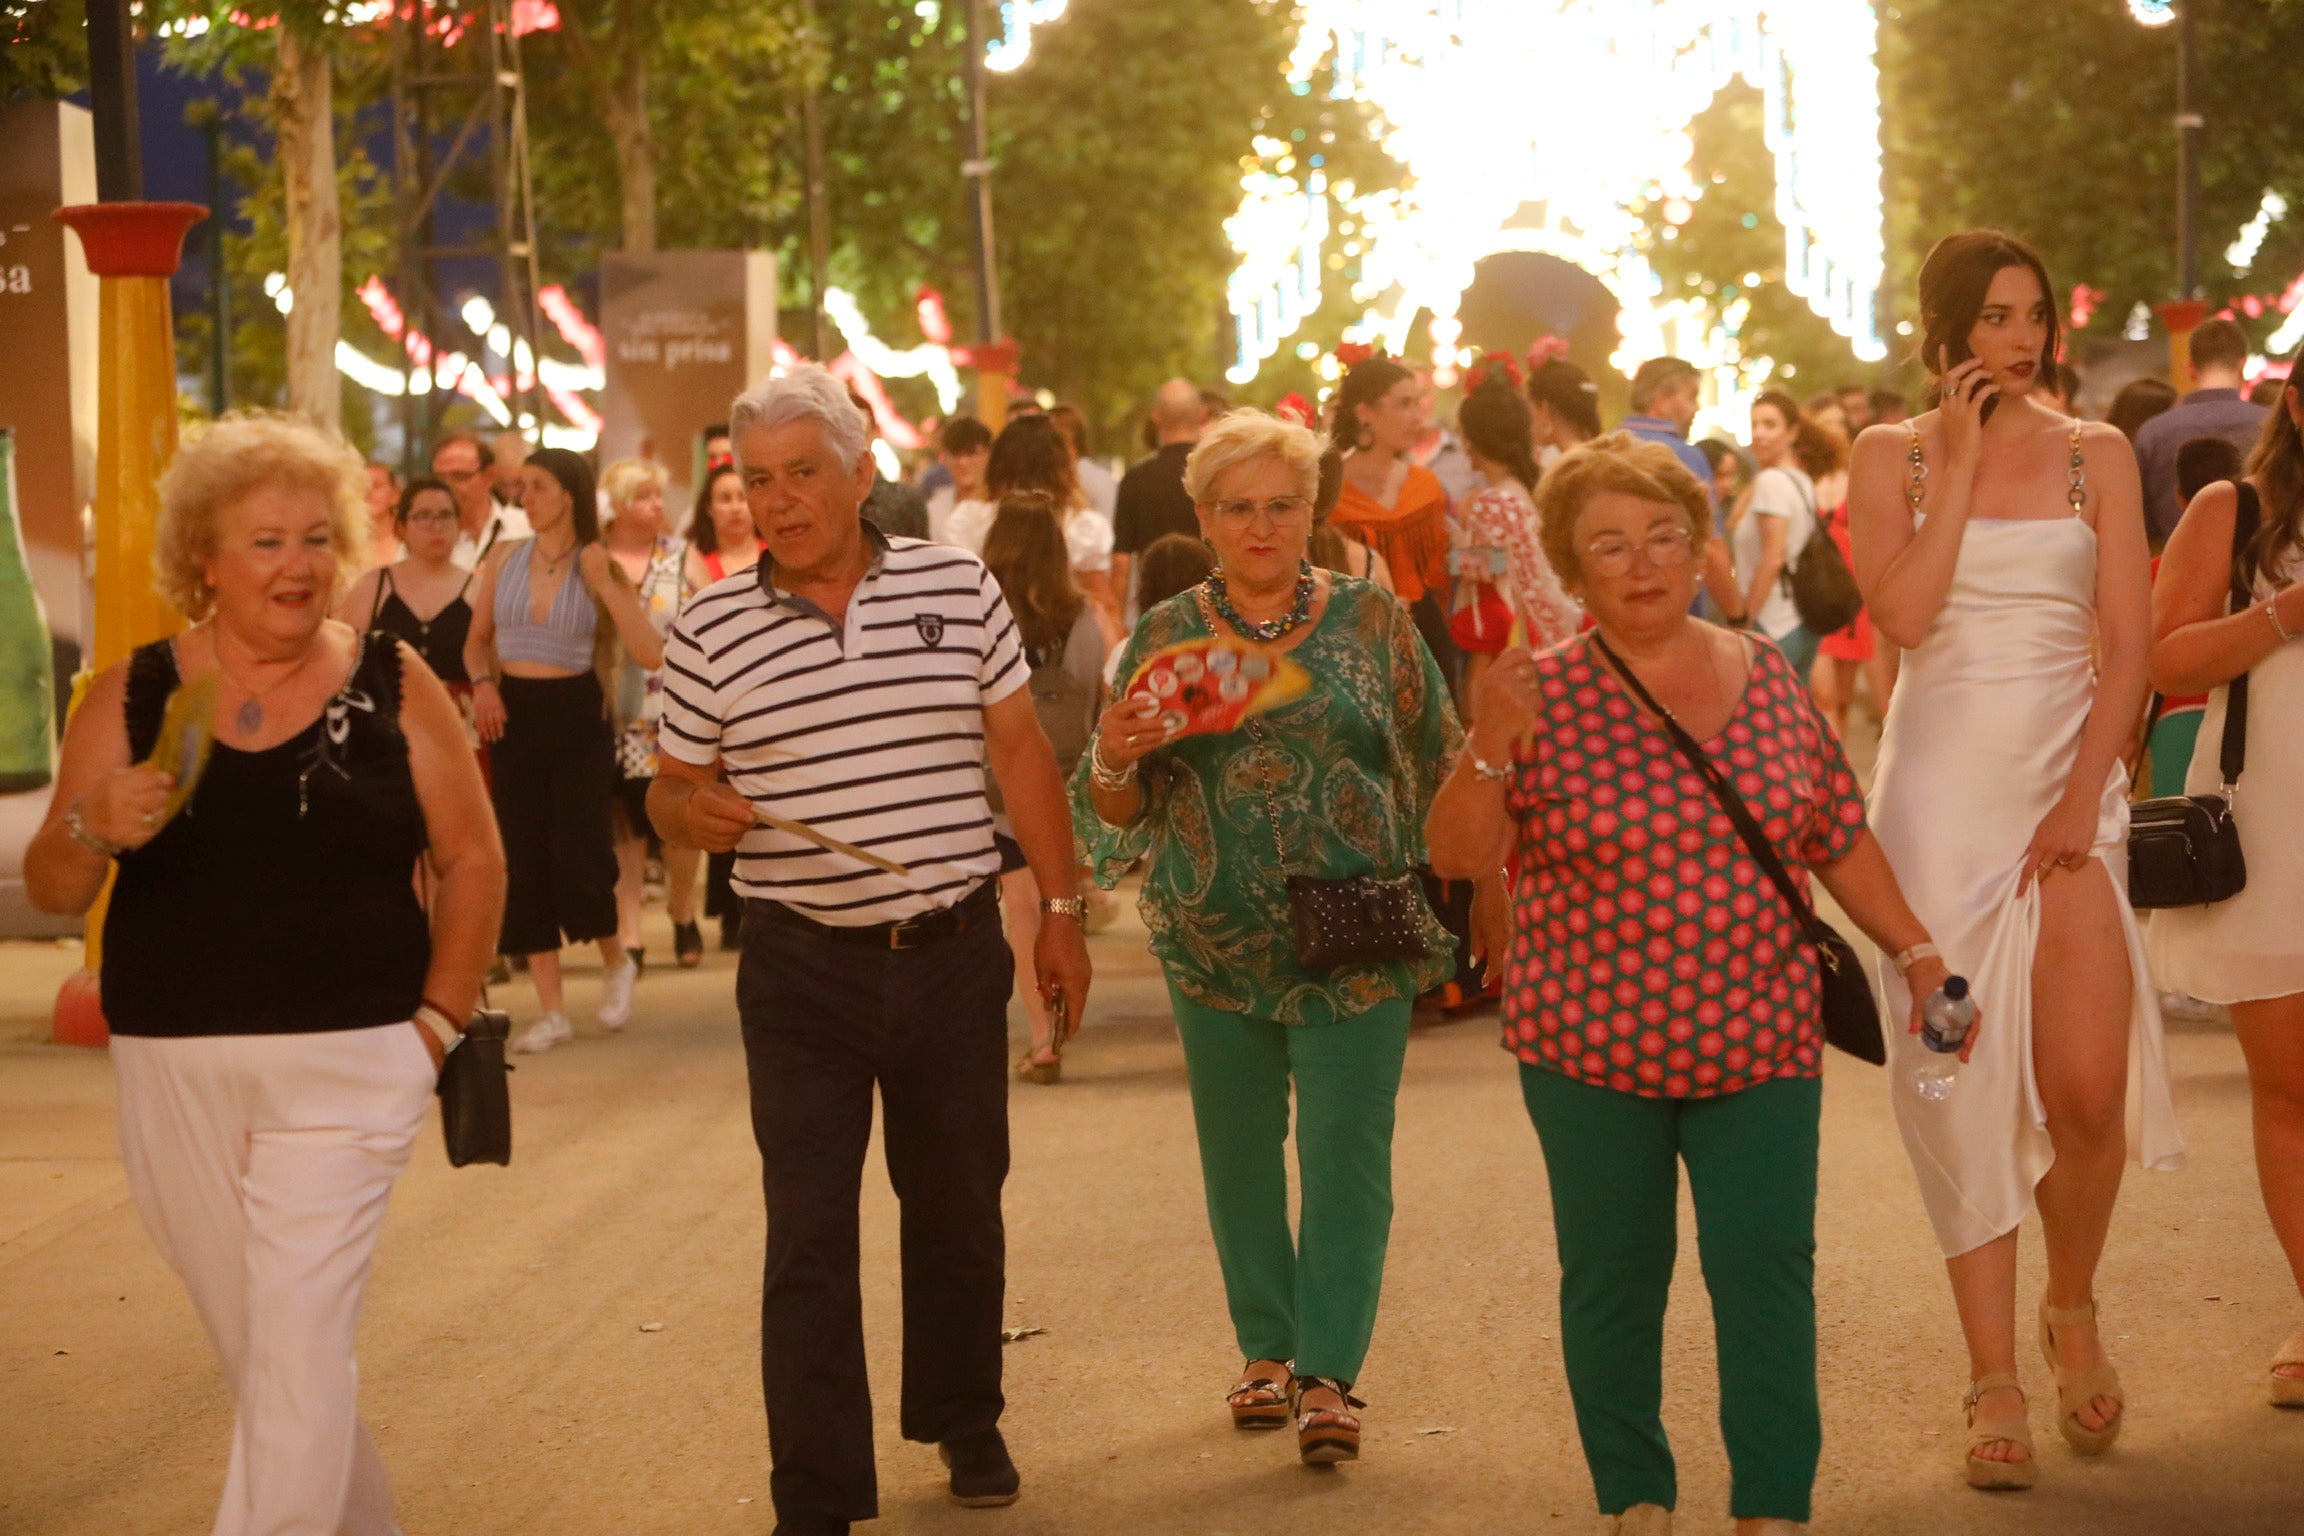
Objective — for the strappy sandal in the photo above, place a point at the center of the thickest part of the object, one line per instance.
(1645, 1520)
(2075, 1389)
(1032, 1069)
(1259, 1399)
(2288, 1391)
(1983, 1471)
(1325, 1436)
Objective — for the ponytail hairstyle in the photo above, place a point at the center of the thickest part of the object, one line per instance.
(1495, 420)
(1816, 448)
(1367, 379)
(1569, 393)
(1954, 281)
(2276, 464)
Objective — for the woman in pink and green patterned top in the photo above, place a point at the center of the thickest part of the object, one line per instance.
(1659, 995)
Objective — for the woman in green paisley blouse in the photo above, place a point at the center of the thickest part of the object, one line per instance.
(1352, 766)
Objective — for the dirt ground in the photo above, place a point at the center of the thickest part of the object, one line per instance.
(567, 1346)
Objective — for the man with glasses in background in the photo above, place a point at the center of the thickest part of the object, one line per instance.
(464, 462)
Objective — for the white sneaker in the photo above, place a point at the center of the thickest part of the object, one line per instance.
(615, 1009)
(550, 1030)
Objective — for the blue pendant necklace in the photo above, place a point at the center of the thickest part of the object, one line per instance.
(1220, 599)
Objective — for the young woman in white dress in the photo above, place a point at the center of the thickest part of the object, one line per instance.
(2248, 952)
(2002, 545)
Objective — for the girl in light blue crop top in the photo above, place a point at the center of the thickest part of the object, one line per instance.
(564, 639)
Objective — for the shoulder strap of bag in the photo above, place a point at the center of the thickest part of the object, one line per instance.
(2232, 755)
(1747, 827)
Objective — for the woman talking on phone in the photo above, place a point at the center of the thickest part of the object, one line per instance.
(2002, 545)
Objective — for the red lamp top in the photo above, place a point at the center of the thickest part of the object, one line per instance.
(132, 239)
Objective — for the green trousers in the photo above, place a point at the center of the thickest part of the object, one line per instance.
(1308, 1296)
(1613, 1160)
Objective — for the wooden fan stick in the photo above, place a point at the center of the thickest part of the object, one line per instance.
(831, 844)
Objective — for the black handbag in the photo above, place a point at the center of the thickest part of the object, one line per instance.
(1823, 589)
(1851, 1016)
(475, 1099)
(1358, 920)
(2184, 850)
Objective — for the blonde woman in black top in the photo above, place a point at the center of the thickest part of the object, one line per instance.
(279, 1002)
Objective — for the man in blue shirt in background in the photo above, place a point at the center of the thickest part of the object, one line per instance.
(2214, 408)
(1665, 394)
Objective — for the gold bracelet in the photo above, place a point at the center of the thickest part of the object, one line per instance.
(2272, 612)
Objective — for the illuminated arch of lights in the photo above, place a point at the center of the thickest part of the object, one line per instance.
(1536, 125)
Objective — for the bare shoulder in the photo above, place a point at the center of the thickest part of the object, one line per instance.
(2101, 437)
(1885, 441)
(2206, 527)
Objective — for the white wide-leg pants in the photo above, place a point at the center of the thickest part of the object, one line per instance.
(261, 1165)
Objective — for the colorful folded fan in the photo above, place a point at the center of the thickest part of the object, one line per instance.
(1206, 687)
(187, 731)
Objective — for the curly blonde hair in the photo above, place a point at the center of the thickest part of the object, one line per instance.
(623, 481)
(1616, 462)
(233, 456)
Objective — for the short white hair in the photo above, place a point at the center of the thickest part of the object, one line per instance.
(806, 393)
(1243, 436)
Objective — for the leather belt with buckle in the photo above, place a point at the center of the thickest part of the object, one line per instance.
(979, 905)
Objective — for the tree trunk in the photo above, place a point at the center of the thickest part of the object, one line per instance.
(303, 106)
(635, 149)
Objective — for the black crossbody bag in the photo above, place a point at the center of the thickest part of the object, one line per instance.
(1851, 1017)
(475, 1099)
(1356, 920)
(2184, 850)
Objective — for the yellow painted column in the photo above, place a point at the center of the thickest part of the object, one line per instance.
(133, 248)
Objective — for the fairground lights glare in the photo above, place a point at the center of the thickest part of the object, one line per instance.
(1537, 125)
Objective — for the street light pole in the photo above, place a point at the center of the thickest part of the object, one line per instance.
(991, 386)
(819, 225)
(2188, 126)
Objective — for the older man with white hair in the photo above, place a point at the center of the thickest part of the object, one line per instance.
(853, 690)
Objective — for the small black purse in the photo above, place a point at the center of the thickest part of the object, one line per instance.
(2184, 850)
(1359, 920)
(475, 1098)
(1851, 1016)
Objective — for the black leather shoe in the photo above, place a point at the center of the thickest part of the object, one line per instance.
(811, 1528)
(982, 1475)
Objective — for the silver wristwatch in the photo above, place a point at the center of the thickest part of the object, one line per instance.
(1065, 906)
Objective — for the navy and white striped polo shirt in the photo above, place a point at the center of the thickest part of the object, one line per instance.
(872, 732)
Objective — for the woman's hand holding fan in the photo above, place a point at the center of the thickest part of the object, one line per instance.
(1209, 686)
(128, 807)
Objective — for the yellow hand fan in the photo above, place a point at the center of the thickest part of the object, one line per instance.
(187, 732)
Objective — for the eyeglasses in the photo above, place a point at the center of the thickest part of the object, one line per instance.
(460, 476)
(1239, 514)
(435, 515)
(1666, 547)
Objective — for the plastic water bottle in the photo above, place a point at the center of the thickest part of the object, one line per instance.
(1945, 1020)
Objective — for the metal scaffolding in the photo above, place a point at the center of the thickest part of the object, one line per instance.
(460, 128)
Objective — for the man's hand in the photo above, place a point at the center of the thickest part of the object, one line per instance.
(718, 817)
(1060, 962)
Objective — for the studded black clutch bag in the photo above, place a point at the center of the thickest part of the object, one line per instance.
(1356, 920)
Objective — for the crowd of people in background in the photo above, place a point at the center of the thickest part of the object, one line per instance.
(1574, 733)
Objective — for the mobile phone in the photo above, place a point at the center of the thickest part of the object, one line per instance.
(1955, 353)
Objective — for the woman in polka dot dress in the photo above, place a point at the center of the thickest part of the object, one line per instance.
(1659, 994)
